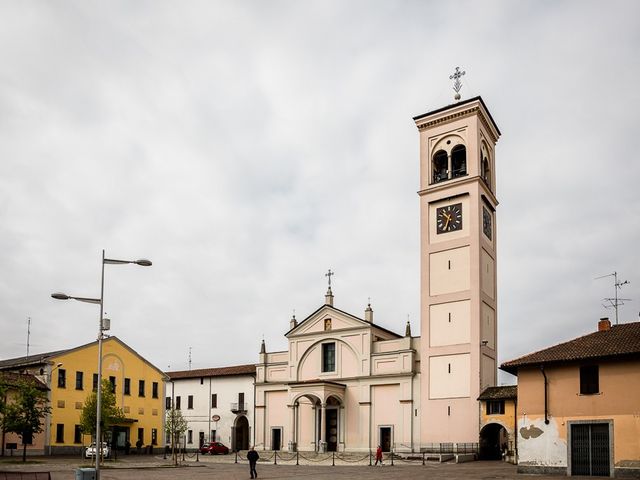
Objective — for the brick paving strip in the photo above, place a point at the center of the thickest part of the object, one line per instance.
(224, 467)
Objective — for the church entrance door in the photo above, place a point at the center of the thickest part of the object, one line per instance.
(331, 433)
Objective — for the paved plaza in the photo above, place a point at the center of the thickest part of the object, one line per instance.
(158, 468)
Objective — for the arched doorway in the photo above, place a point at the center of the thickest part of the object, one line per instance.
(241, 430)
(493, 439)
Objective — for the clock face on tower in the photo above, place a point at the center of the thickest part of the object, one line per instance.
(486, 222)
(449, 218)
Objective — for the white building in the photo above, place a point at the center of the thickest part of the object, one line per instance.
(217, 403)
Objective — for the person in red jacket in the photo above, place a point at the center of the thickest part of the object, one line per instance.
(379, 456)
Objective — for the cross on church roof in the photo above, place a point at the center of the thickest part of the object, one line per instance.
(329, 274)
(457, 85)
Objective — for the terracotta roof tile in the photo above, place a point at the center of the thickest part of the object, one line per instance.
(12, 379)
(619, 340)
(214, 372)
(499, 393)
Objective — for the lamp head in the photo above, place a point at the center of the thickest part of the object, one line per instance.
(60, 296)
(143, 262)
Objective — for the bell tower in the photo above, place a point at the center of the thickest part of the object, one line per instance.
(458, 267)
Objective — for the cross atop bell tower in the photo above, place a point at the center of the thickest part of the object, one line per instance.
(457, 84)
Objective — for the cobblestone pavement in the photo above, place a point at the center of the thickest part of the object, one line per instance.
(223, 467)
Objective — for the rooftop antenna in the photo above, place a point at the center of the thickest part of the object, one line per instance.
(457, 84)
(614, 302)
(189, 358)
(28, 334)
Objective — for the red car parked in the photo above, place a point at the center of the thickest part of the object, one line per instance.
(213, 448)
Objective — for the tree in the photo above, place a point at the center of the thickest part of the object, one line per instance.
(110, 413)
(24, 414)
(175, 426)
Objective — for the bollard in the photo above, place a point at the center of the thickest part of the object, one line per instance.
(297, 453)
(236, 457)
(423, 459)
(392, 457)
(369, 457)
(275, 457)
(333, 459)
(197, 452)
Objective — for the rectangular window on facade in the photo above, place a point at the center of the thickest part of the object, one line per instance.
(127, 386)
(167, 403)
(141, 388)
(60, 433)
(213, 436)
(79, 380)
(154, 436)
(190, 436)
(112, 381)
(141, 435)
(190, 402)
(241, 401)
(214, 400)
(154, 390)
(178, 402)
(95, 382)
(328, 357)
(495, 407)
(589, 380)
(62, 378)
(77, 434)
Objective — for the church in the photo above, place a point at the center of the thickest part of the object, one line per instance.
(347, 384)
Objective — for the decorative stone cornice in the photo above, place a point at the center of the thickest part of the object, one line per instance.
(475, 110)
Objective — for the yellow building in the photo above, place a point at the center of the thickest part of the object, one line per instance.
(498, 423)
(71, 376)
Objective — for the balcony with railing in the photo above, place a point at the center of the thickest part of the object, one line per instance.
(239, 407)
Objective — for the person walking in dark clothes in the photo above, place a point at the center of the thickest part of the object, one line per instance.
(253, 457)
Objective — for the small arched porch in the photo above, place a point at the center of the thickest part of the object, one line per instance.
(317, 417)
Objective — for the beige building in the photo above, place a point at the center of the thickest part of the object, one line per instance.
(344, 383)
(579, 404)
(12, 443)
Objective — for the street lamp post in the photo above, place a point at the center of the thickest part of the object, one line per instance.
(101, 328)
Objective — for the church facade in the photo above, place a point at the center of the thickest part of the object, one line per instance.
(347, 384)
(344, 383)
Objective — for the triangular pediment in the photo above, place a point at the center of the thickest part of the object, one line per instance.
(327, 318)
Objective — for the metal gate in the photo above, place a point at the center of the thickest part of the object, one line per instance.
(590, 449)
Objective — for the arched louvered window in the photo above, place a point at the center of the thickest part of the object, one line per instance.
(458, 161)
(486, 171)
(440, 166)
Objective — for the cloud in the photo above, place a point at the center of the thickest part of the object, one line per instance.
(247, 147)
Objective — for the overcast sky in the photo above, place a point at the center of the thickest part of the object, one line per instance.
(246, 147)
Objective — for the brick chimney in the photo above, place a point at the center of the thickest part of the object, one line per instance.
(604, 324)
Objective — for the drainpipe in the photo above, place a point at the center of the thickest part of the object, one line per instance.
(253, 433)
(515, 429)
(546, 382)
